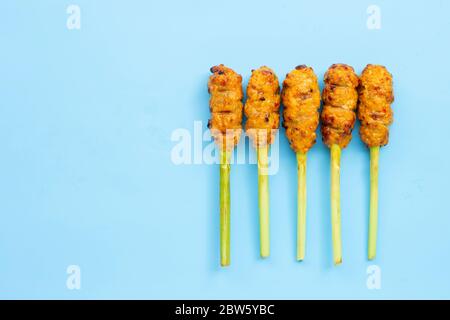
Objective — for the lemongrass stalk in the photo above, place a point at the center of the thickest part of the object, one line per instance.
(263, 200)
(373, 216)
(335, 204)
(301, 205)
(224, 208)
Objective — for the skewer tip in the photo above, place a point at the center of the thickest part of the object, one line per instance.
(225, 264)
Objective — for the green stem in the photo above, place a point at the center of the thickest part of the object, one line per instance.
(373, 217)
(263, 200)
(335, 204)
(224, 208)
(301, 205)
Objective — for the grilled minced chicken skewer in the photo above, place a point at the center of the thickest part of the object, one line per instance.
(338, 119)
(225, 87)
(262, 112)
(375, 113)
(301, 100)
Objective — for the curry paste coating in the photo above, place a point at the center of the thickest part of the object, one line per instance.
(262, 106)
(301, 100)
(374, 110)
(340, 99)
(225, 88)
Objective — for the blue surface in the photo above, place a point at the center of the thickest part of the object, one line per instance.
(86, 176)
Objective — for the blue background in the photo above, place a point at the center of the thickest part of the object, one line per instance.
(86, 176)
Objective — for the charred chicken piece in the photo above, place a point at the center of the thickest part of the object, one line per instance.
(225, 87)
(340, 99)
(262, 106)
(301, 100)
(374, 110)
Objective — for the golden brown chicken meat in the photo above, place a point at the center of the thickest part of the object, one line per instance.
(301, 100)
(262, 106)
(225, 87)
(340, 98)
(374, 110)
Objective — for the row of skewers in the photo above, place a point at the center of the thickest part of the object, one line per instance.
(345, 97)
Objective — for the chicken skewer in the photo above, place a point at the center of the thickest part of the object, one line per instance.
(301, 100)
(338, 119)
(225, 88)
(262, 112)
(375, 113)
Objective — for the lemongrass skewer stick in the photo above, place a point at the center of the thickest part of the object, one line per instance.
(373, 216)
(224, 208)
(301, 205)
(335, 204)
(263, 200)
